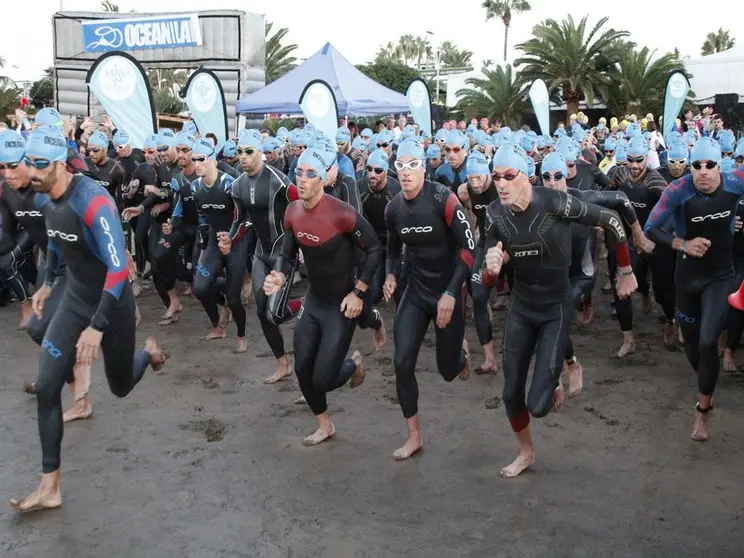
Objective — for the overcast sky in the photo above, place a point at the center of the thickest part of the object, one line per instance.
(659, 24)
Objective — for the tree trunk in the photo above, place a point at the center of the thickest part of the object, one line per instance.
(572, 107)
(506, 39)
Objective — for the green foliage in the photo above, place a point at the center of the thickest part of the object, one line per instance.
(109, 6)
(166, 102)
(42, 92)
(392, 75)
(273, 124)
(497, 95)
(505, 10)
(717, 42)
(10, 97)
(279, 59)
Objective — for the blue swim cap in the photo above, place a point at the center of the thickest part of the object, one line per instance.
(12, 147)
(411, 148)
(378, 159)
(455, 137)
(229, 149)
(98, 139)
(386, 136)
(531, 166)
(739, 148)
(610, 144)
(477, 164)
(407, 134)
(677, 151)
(637, 147)
(527, 143)
(327, 150)
(270, 145)
(569, 151)
(343, 135)
(187, 139)
(166, 137)
(433, 152)
(47, 142)
(312, 158)
(706, 149)
(250, 138)
(295, 137)
(549, 142)
(479, 136)
(204, 147)
(367, 133)
(540, 142)
(372, 143)
(49, 116)
(634, 129)
(560, 132)
(621, 153)
(727, 145)
(554, 162)
(471, 129)
(151, 142)
(728, 165)
(189, 127)
(513, 157)
(359, 144)
(440, 135)
(121, 138)
(282, 132)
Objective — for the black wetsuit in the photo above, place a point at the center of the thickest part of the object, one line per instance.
(84, 227)
(643, 195)
(130, 163)
(702, 285)
(735, 325)
(261, 201)
(217, 206)
(227, 168)
(345, 189)
(329, 235)
(110, 175)
(145, 174)
(538, 241)
(588, 177)
(439, 252)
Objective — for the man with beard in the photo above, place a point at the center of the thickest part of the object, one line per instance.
(453, 172)
(129, 157)
(107, 172)
(97, 310)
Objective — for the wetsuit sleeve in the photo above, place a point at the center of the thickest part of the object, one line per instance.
(600, 179)
(9, 228)
(394, 243)
(737, 184)
(351, 193)
(353, 223)
(615, 200)
(672, 197)
(151, 200)
(289, 250)
(102, 220)
(574, 209)
(459, 226)
(239, 225)
(492, 239)
(177, 215)
(53, 261)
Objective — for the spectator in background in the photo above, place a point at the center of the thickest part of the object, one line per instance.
(211, 137)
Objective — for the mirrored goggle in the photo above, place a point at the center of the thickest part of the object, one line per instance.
(375, 170)
(39, 164)
(697, 165)
(9, 166)
(636, 159)
(198, 159)
(306, 173)
(508, 176)
(246, 150)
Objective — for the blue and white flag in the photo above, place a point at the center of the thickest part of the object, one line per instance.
(419, 103)
(206, 101)
(540, 100)
(319, 106)
(139, 33)
(120, 84)
(677, 89)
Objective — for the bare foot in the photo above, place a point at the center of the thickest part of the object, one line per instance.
(607, 287)
(488, 367)
(575, 378)
(700, 430)
(282, 372)
(242, 345)
(216, 333)
(522, 462)
(136, 288)
(628, 348)
(587, 314)
(224, 317)
(42, 498)
(188, 290)
(465, 372)
(247, 291)
(137, 315)
(647, 306)
(409, 449)
(29, 387)
(559, 396)
(320, 435)
(168, 319)
(669, 340)
(380, 337)
(82, 381)
(157, 356)
(357, 378)
(300, 400)
(26, 313)
(729, 365)
(81, 410)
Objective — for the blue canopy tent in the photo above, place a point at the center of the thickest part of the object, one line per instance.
(356, 94)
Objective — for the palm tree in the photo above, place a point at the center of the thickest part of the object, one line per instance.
(497, 95)
(504, 9)
(171, 80)
(407, 48)
(717, 42)
(166, 102)
(387, 53)
(422, 49)
(640, 82)
(565, 56)
(452, 57)
(109, 6)
(2, 62)
(279, 59)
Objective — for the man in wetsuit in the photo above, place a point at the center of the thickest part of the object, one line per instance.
(215, 203)
(128, 157)
(261, 195)
(703, 205)
(107, 172)
(476, 195)
(428, 218)
(339, 185)
(452, 173)
(433, 160)
(329, 232)
(540, 315)
(643, 186)
(384, 141)
(98, 307)
(134, 195)
(581, 175)
(583, 269)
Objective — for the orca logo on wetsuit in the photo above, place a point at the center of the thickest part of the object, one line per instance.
(62, 235)
(49, 347)
(685, 318)
(104, 184)
(711, 216)
(309, 236)
(638, 204)
(468, 231)
(407, 230)
(524, 253)
(212, 206)
(480, 206)
(111, 248)
(28, 214)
